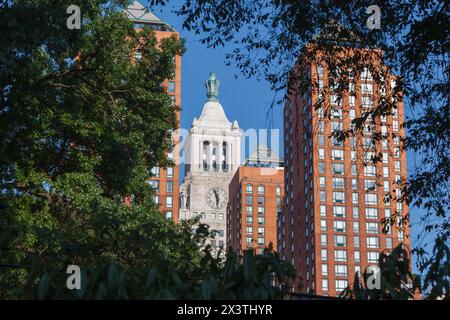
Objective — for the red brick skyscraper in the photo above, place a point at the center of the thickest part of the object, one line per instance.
(164, 181)
(256, 194)
(335, 195)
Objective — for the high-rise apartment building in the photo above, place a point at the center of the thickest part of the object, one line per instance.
(335, 194)
(256, 194)
(165, 181)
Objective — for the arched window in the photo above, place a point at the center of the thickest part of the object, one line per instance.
(224, 157)
(214, 159)
(205, 155)
(278, 191)
(248, 188)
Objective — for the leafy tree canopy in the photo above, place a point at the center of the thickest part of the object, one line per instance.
(81, 121)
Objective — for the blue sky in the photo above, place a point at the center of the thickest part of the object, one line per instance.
(244, 100)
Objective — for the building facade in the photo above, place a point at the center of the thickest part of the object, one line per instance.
(165, 181)
(256, 194)
(336, 195)
(212, 153)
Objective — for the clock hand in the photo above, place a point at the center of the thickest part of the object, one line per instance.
(216, 194)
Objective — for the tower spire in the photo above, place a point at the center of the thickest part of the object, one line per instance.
(212, 87)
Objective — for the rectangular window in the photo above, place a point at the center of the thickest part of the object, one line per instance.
(338, 168)
(371, 213)
(323, 254)
(373, 242)
(322, 167)
(367, 88)
(324, 270)
(357, 256)
(338, 183)
(340, 255)
(169, 186)
(355, 198)
(370, 171)
(371, 199)
(323, 239)
(397, 166)
(340, 241)
(321, 154)
(351, 101)
(260, 199)
(338, 197)
(337, 154)
(323, 225)
(340, 270)
(324, 285)
(372, 227)
(171, 86)
(339, 226)
(352, 114)
(169, 172)
(323, 211)
(341, 285)
(356, 241)
(322, 196)
(355, 212)
(354, 184)
(339, 212)
(385, 172)
(322, 182)
(261, 210)
(389, 243)
(249, 210)
(386, 186)
(372, 257)
(169, 201)
(395, 126)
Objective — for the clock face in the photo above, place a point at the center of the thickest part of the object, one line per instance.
(216, 198)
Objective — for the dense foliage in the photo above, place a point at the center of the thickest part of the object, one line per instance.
(249, 277)
(81, 122)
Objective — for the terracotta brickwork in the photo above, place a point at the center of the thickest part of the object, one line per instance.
(335, 196)
(255, 197)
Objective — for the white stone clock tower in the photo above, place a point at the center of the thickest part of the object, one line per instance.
(212, 154)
